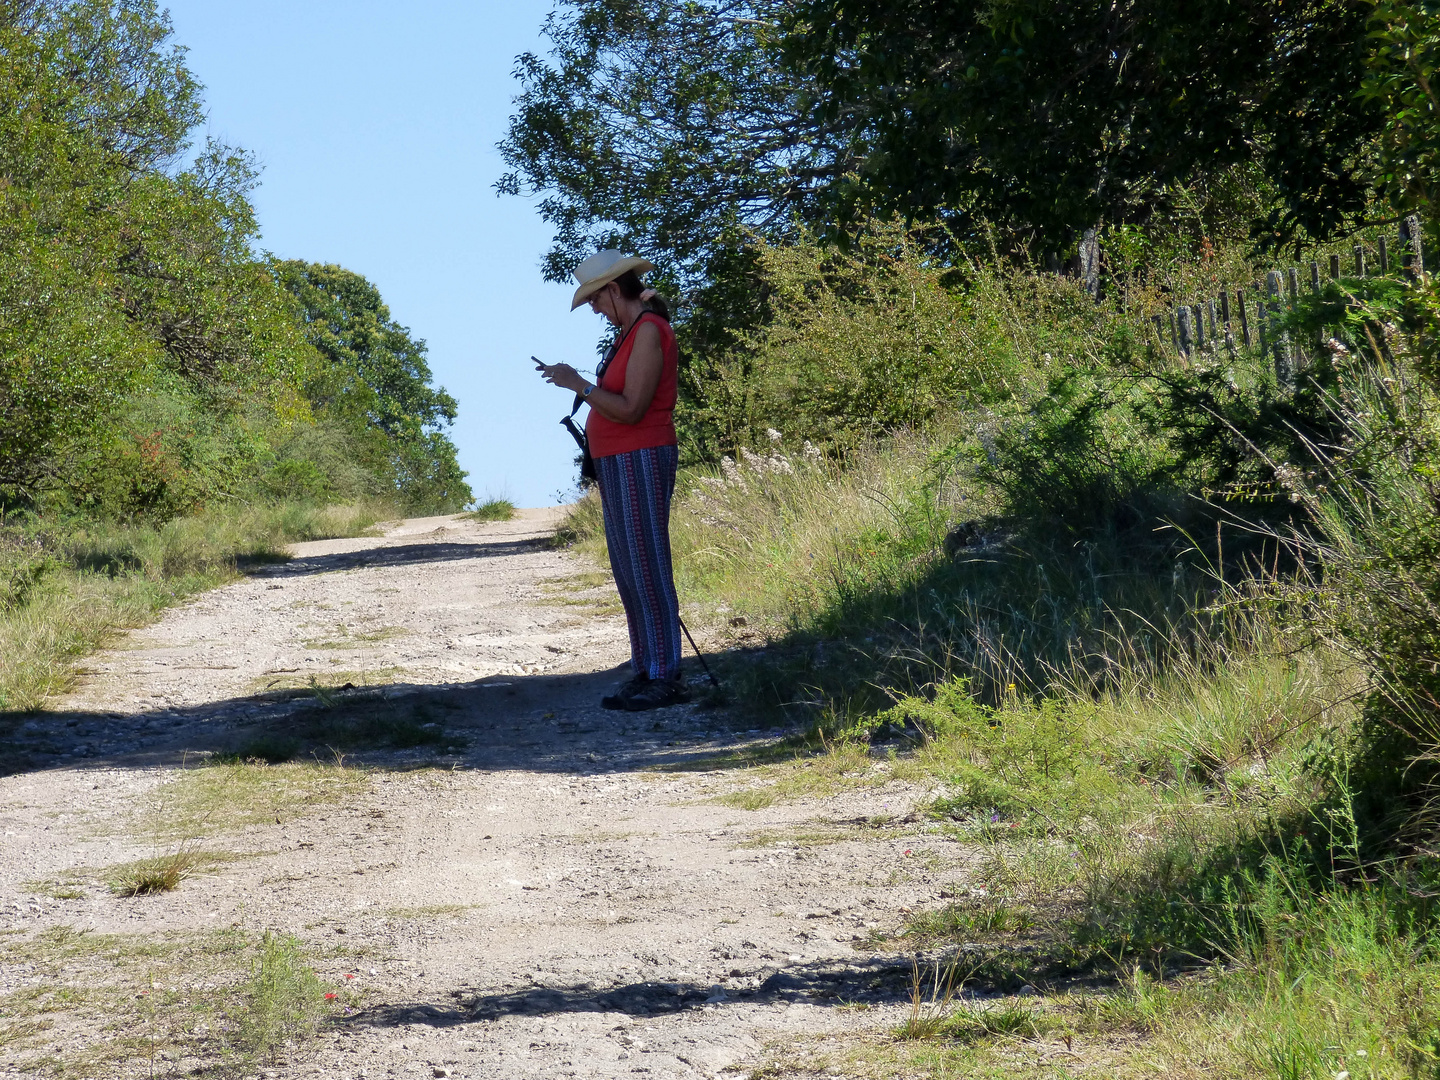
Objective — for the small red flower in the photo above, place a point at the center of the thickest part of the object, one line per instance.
(329, 996)
(907, 851)
(348, 975)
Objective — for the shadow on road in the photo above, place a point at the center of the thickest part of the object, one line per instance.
(398, 555)
(544, 722)
(864, 981)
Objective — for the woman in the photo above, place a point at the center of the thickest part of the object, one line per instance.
(632, 439)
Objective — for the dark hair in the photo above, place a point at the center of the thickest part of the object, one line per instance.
(631, 287)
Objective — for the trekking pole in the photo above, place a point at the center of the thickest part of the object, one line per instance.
(698, 655)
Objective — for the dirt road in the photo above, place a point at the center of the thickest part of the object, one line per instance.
(503, 881)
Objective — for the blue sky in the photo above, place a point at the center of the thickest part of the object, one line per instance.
(376, 125)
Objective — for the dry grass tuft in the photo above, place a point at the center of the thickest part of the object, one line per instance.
(162, 874)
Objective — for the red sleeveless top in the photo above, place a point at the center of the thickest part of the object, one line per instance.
(657, 427)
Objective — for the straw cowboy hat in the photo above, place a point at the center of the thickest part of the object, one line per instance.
(602, 268)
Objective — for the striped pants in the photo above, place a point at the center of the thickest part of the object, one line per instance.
(635, 492)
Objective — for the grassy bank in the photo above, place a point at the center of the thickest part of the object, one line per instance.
(68, 586)
(896, 568)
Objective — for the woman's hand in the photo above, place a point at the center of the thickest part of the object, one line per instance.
(564, 375)
(642, 379)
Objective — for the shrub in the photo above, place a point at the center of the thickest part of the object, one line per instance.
(1081, 458)
(880, 338)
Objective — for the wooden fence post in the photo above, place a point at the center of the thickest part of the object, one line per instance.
(1187, 330)
(1410, 238)
(1280, 291)
(1090, 262)
(1279, 340)
(1294, 280)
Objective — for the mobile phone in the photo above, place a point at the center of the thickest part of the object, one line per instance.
(539, 364)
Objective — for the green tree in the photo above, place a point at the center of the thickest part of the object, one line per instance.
(1052, 117)
(98, 77)
(147, 355)
(92, 103)
(1403, 81)
(665, 127)
(374, 377)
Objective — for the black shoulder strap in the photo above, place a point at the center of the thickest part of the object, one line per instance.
(610, 355)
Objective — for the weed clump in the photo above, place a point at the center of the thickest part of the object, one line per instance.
(959, 922)
(944, 1011)
(283, 1001)
(492, 510)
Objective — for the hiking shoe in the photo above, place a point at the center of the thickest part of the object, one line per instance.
(623, 691)
(657, 694)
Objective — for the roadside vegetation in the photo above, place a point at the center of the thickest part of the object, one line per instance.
(173, 402)
(68, 584)
(1156, 630)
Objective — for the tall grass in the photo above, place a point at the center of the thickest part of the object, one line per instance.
(1317, 983)
(781, 536)
(67, 587)
(773, 535)
(1149, 770)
